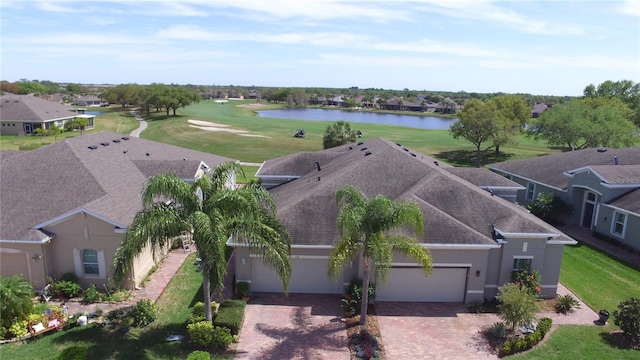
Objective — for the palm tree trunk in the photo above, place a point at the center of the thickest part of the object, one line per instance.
(206, 287)
(365, 290)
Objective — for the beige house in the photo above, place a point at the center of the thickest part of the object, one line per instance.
(23, 114)
(65, 207)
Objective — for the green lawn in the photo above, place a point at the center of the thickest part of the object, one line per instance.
(279, 140)
(601, 282)
(116, 121)
(175, 305)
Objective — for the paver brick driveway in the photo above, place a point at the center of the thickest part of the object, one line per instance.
(301, 326)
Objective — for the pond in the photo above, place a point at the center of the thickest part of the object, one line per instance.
(413, 121)
(95, 113)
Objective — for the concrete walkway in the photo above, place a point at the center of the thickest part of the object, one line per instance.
(141, 124)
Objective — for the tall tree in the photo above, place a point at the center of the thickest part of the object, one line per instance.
(338, 133)
(584, 123)
(476, 123)
(512, 115)
(212, 213)
(625, 90)
(366, 227)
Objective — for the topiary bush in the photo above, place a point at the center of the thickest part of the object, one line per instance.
(144, 312)
(627, 317)
(91, 295)
(199, 355)
(197, 314)
(230, 315)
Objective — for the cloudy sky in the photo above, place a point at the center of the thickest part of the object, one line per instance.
(537, 47)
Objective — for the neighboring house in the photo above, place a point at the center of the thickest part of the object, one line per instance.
(23, 114)
(602, 185)
(538, 109)
(476, 239)
(65, 207)
(90, 100)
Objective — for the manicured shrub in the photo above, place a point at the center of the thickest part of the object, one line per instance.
(19, 328)
(66, 289)
(199, 355)
(221, 337)
(73, 353)
(242, 289)
(200, 333)
(144, 312)
(230, 315)
(627, 317)
(566, 304)
(514, 346)
(197, 314)
(91, 295)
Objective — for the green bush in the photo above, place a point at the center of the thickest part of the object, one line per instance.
(144, 312)
(15, 299)
(200, 333)
(497, 331)
(199, 355)
(221, 337)
(73, 353)
(91, 295)
(514, 346)
(566, 304)
(19, 328)
(355, 292)
(242, 289)
(230, 315)
(627, 317)
(517, 305)
(69, 276)
(529, 280)
(66, 289)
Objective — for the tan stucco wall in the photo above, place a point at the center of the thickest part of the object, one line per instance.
(25, 260)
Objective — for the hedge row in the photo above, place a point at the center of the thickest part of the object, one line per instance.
(514, 346)
(230, 315)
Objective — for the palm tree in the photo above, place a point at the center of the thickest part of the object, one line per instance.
(16, 295)
(365, 227)
(212, 212)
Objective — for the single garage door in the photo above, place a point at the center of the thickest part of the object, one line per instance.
(410, 284)
(309, 276)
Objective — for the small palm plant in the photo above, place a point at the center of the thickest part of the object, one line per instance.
(567, 304)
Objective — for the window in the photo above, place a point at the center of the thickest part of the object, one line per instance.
(531, 189)
(90, 262)
(618, 224)
(522, 264)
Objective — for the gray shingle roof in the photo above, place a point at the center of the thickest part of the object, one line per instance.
(39, 185)
(549, 169)
(456, 211)
(24, 108)
(629, 202)
(619, 174)
(484, 178)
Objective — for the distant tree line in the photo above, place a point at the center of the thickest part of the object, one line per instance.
(154, 96)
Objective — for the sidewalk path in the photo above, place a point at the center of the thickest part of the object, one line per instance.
(142, 124)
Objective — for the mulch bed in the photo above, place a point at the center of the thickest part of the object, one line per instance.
(354, 327)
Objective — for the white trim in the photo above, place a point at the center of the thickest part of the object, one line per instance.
(512, 188)
(526, 235)
(619, 186)
(588, 188)
(461, 246)
(549, 286)
(34, 242)
(522, 257)
(475, 291)
(433, 265)
(288, 177)
(247, 281)
(77, 262)
(102, 264)
(603, 180)
(120, 230)
(561, 242)
(68, 214)
(316, 247)
(491, 286)
(614, 222)
(316, 257)
(620, 209)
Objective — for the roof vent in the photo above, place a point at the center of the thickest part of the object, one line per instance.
(125, 138)
(350, 147)
(318, 165)
(367, 153)
(360, 143)
(104, 143)
(435, 162)
(116, 140)
(405, 149)
(93, 147)
(364, 148)
(124, 152)
(412, 154)
(147, 154)
(398, 144)
(601, 150)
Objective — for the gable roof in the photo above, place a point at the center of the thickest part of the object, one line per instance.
(57, 180)
(550, 169)
(456, 211)
(25, 108)
(484, 178)
(629, 202)
(614, 174)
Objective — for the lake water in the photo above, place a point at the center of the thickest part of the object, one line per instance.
(420, 122)
(95, 113)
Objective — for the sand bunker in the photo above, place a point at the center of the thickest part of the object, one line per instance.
(252, 106)
(211, 126)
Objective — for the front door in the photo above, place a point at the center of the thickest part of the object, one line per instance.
(27, 129)
(588, 209)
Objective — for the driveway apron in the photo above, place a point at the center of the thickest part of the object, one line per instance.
(300, 326)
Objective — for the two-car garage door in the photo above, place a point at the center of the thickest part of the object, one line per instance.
(309, 276)
(410, 284)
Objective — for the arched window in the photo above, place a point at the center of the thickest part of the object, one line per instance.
(90, 262)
